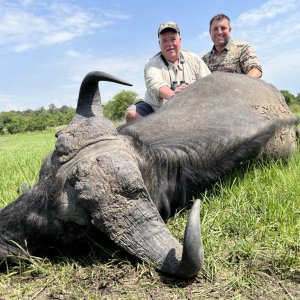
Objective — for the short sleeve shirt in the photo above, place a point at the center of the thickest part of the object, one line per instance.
(157, 74)
(236, 57)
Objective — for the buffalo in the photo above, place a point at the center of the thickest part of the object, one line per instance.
(125, 183)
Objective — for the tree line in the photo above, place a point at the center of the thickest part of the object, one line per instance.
(34, 120)
(37, 120)
(13, 122)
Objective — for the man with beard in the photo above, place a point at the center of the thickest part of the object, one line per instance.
(228, 55)
(167, 73)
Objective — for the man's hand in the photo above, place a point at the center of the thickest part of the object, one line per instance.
(166, 93)
(180, 88)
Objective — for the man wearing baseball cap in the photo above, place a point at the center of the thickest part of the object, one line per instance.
(167, 73)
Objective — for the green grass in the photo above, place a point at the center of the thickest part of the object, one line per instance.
(250, 226)
(257, 220)
(21, 156)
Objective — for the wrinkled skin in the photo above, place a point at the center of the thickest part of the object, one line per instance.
(126, 183)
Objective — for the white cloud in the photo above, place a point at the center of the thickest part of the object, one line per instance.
(268, 10)
(270, 36)
(58, 37)
(204, 34)
(73, 53)
(35, 23)
(282, 70)
(4, 98)
(26, 2)
(8, 103)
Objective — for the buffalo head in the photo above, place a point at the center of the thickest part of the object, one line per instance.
(92, 181)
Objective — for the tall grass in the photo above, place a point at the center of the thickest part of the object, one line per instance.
(256, 218)
(250, 225)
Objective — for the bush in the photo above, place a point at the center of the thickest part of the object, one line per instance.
(289, 98)
(115, 109)
(16, 125)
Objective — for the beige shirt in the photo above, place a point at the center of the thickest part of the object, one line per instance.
(236, 57)
(157, 74)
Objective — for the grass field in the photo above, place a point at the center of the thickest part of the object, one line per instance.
(251, 232)
(21, 156)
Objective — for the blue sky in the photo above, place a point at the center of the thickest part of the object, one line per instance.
(47, 47)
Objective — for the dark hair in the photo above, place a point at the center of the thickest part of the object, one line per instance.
(218, 17)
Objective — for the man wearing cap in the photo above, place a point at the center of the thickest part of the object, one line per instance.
(167, 73)
(228, 55)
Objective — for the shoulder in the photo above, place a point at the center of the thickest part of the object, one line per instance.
(239, 44)
(195, 64)
(192, 58)
(189, 54)
(243, 48)
(154, 58)
(155, 61)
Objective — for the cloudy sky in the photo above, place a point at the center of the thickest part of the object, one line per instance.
(47, 47)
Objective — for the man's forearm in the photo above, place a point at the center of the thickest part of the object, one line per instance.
(166, 93)
(254, 73)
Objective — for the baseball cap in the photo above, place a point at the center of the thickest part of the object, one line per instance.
(169, 25)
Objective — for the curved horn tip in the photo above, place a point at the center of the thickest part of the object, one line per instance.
(103, 76)
(193, 253)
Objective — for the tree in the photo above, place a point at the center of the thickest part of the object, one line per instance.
(1, 127)
(289, 98)
(17, 125)
(52, 108)
(115, 109)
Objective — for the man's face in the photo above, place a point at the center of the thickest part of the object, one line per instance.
(220, 32)
(170, 43)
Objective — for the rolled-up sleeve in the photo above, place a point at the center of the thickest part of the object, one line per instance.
(248, 59)
(154, 79)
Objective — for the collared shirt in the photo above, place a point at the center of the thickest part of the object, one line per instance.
(158, 74)
(236, 57)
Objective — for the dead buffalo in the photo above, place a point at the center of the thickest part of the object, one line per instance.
(127, 183)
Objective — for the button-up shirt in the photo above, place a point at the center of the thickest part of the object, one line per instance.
(236, 57)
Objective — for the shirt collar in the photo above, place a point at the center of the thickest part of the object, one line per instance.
(170, 64)
(227, 47)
